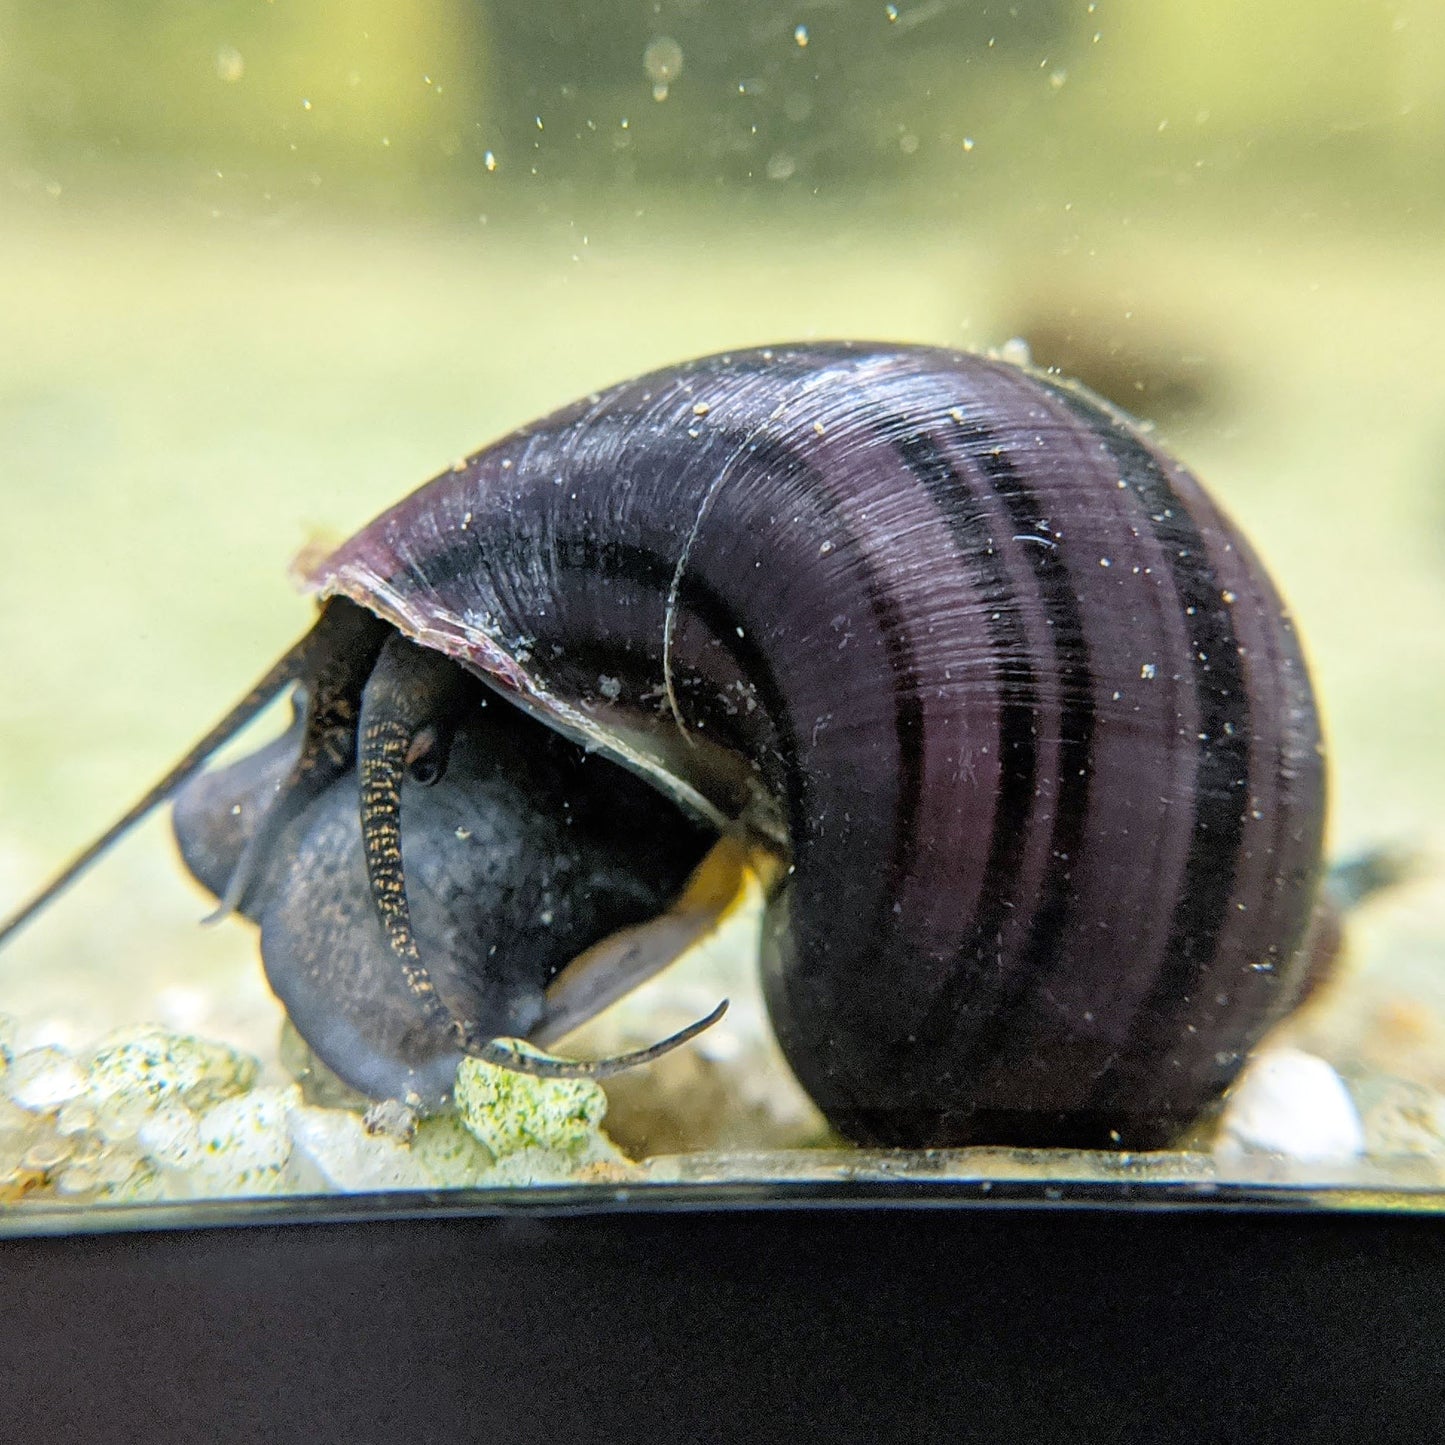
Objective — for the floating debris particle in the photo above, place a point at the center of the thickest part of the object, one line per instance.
(662, 60)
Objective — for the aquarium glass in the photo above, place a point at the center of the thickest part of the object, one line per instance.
(269, 267)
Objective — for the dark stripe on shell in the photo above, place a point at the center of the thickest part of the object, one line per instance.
(995, 1029)
(1018, 753)
(1222, 778)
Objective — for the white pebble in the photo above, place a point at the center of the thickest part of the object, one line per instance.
(44, 1079)
(153, 1066)
(351, 1160)
(451, 1156)
(1292, 1103)
(171, 1136)
(76, 1117)
(246, 1144)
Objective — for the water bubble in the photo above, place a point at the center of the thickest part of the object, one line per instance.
(490, 161)
(800, 36)
(1015, 351)
(662, 60)
(891, 11)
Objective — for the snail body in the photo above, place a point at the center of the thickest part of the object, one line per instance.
(1014, 708)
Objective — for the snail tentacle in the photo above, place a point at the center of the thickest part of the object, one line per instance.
(494, 1051)
(407, 705)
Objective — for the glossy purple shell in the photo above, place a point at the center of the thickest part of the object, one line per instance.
(1020, 706)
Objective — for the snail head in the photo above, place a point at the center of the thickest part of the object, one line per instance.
(375, 711)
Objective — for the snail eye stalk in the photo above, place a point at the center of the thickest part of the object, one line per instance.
(426, 758)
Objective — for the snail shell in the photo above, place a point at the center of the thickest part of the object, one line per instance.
(1019, 707)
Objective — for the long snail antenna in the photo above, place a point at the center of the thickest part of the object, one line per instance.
(278, 676)
(493, 1051)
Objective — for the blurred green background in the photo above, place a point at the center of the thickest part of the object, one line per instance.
(266, 266)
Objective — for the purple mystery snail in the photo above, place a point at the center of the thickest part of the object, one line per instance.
(1012, 710)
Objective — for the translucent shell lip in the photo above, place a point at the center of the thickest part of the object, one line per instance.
(501, 669)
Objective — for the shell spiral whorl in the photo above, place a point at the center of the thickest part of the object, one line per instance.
(1018, 704)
